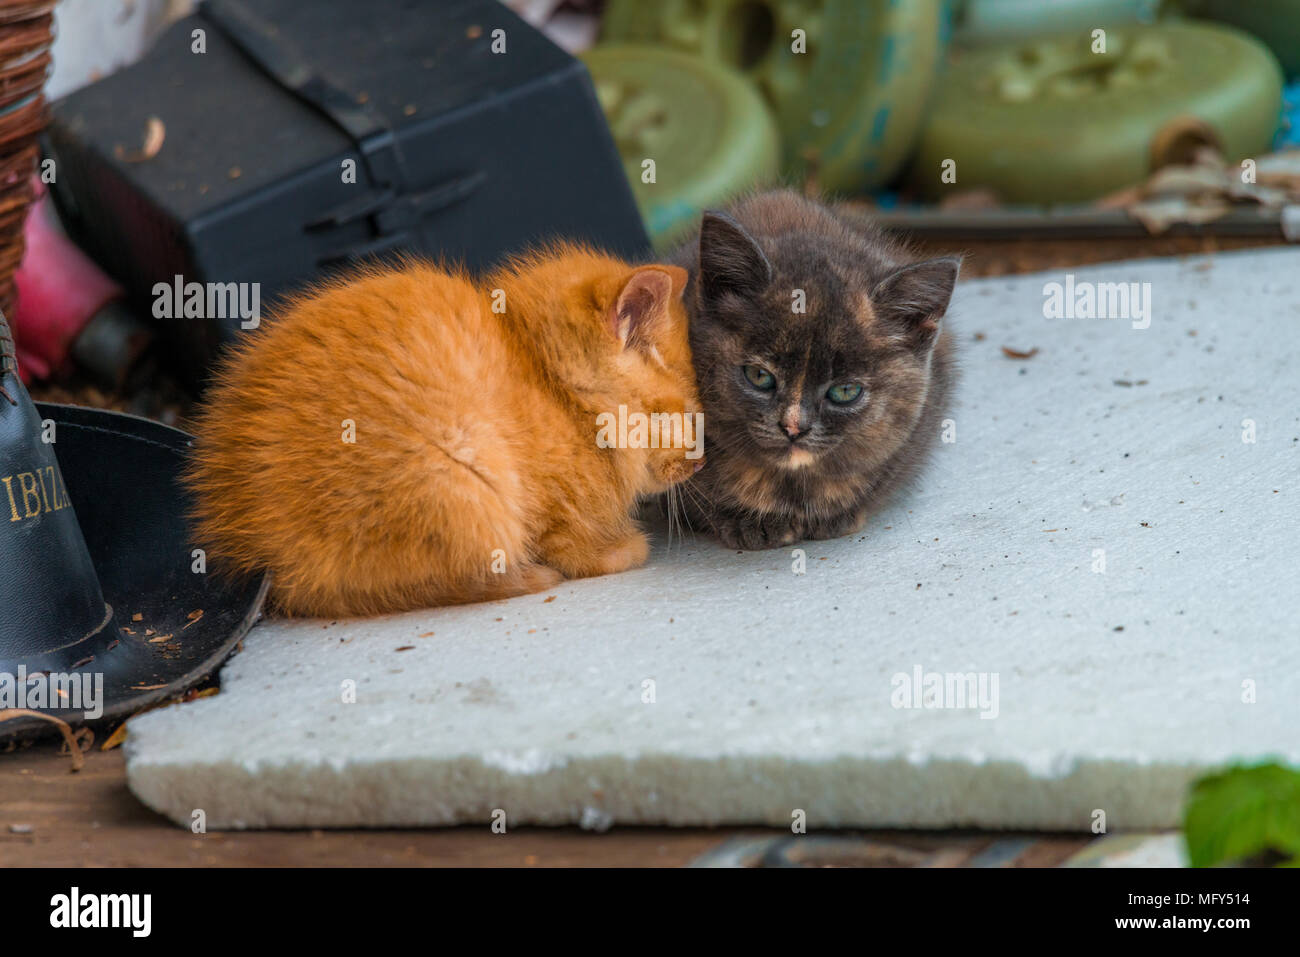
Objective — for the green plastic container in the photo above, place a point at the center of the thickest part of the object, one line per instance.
(981, 22)
(850, 107)
(707, 130)
(1049, 121)
(1276, 22)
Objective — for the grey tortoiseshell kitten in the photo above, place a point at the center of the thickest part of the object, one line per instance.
(823, 366)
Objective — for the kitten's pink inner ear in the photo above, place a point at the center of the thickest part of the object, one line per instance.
(679, 277)
(641, 305)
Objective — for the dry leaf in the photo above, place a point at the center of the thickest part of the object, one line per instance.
(115, 739)
(155, 132)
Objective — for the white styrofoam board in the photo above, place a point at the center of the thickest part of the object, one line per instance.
(773, 690)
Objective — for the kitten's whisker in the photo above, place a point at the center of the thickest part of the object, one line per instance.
(697, 498)
(667, 502)
(684, 519)
(672, 509)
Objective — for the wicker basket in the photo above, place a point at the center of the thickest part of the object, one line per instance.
(26, 33)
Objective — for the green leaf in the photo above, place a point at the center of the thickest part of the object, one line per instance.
(1242, 812)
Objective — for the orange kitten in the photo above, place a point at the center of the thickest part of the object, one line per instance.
(400, 438)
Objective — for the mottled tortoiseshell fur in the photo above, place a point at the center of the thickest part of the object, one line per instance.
(871, 315)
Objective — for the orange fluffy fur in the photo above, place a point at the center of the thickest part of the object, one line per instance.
(475, 473)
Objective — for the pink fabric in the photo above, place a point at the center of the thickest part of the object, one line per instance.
(59, 290)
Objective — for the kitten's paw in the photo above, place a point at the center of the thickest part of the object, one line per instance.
(588, 557)
(850, 523)
(631, 552)
(752, 533)
(524, 579)
(539, 578)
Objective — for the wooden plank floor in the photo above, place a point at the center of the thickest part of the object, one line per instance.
(51, 817)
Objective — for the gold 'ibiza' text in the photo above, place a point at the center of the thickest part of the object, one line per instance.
(34, 493)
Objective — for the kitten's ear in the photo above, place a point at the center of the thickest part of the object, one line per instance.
(641, 310)
(730, 259)
(913, 299)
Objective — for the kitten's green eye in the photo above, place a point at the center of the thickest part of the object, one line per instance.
(844, 394)
(760, 378)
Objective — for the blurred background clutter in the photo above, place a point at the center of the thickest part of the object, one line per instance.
(212, 142)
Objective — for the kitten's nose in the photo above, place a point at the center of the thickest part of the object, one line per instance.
(793, 422)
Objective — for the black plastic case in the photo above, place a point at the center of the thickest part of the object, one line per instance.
(461, 153)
